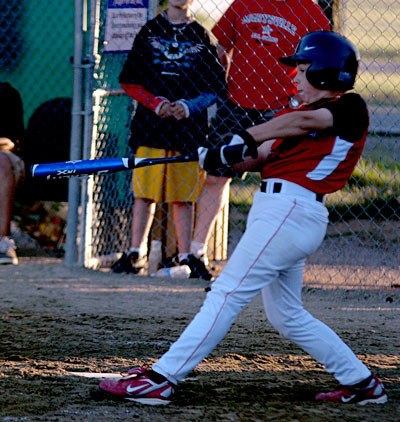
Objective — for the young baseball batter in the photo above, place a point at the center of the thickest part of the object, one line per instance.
(252, 35)
(304, 154)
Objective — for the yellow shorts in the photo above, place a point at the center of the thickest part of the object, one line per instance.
(177, 182)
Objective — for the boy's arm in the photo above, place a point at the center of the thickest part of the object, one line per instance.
(255, 164)
(291, 125)
(244, 143)
(224, 56)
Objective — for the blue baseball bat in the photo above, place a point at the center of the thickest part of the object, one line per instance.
(101, 166)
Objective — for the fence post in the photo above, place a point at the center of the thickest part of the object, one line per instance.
(332, 11)
(218, 241)
(76, 139)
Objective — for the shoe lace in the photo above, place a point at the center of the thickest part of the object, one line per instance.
(135, 371)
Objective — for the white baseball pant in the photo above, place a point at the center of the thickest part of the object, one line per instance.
(282, 231)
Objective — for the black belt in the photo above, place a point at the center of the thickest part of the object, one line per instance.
(277, 187)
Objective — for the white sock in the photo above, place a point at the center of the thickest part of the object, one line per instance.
(198, 249)
(182, 256)
(141, 251)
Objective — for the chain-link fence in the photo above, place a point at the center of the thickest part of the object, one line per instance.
(37, 43)
(38, 39)
(363, 233)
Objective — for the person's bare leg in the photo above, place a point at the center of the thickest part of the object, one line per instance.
(143, 216)
(136, 259)
(183, 220)
(208, 206)
(7, 192)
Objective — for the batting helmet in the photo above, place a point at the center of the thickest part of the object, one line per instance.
(333, 60)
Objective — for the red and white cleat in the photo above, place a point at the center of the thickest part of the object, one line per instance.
(139, 387)
(374, 392)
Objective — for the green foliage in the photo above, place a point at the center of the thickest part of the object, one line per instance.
(373, 26)
(377, 174)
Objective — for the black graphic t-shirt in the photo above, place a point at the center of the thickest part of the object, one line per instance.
(176, 62)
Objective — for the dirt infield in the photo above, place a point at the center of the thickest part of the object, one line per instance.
(56, 322)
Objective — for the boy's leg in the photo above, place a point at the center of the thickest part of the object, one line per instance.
(183, 220)
(208, 206)
(148, 188)
(143, 216)
(182, 186)
(8, 180)
(135, 260)
(277, 237)
(285, 311)
(7, 192)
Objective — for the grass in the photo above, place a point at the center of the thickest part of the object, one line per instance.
(378, 87)
(373, 26)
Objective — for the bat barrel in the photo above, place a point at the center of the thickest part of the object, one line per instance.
(101, 166)
(79, 168)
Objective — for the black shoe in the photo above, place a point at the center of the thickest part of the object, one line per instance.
(169, 262)
(197, 267)
(132, 263)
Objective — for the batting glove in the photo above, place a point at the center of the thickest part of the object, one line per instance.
(240, 146)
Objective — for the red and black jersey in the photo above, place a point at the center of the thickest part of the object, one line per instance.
(323, 161)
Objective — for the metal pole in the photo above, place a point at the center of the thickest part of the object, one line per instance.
(76, 139)
(93, 58)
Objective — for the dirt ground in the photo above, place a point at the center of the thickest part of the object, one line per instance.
(58, 324)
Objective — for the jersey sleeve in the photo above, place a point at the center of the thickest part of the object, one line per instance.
(142, 96)
(203, 101)
(350, 116)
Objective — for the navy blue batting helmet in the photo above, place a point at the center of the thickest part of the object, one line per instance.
(333, 60)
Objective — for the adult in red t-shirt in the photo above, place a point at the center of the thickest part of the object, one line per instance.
(257, 33)
(252, 35)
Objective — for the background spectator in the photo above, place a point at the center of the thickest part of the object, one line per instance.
(11, 165)
(174, 73)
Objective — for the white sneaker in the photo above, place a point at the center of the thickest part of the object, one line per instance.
(8, 254)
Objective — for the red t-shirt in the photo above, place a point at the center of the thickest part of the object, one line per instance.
(322, 161)
(260, 32)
